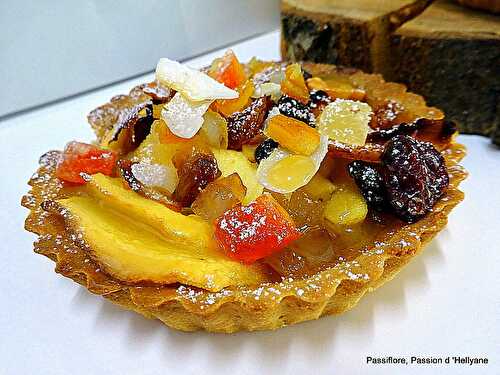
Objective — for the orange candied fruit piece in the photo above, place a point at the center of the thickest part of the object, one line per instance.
(79, 158)
(294, 85)
(251, 232)
(338, 90)
(294, 135)
(227, 107)
(228, 70)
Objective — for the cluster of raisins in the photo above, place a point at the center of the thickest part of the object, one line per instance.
(412, 178)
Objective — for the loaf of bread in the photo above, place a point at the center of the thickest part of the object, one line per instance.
(446, 52)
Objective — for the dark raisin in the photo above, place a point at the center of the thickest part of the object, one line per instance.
(318, 97)
(264, 149)
(293, 108)
(415, 176)
(243, 126)
(196, 169)
(370, 183)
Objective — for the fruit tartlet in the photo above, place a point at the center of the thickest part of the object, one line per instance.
(247, 196)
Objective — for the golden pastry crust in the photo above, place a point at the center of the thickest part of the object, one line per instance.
(333, 290)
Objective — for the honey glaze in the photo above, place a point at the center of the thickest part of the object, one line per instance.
(346, 263)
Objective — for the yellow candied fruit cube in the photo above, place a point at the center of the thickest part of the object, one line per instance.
(249, 151)
(291, 172)
(292, 134)
(346, 207)
(319, 188)
(346, 121)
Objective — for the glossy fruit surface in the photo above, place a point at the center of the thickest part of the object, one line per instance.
(228, 70)
(294, 85)
(252, 232)
(81, 158)
(294, 135)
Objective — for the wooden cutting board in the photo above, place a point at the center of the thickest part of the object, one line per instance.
(448, 53)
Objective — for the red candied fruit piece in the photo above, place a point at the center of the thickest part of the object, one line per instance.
(228, 70)
(84, 158)
(252, 232)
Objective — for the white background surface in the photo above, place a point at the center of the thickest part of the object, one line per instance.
(58, 48)
(445, 302)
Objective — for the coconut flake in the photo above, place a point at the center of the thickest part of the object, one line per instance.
(184, 117)
(193, 84)
(156, 175)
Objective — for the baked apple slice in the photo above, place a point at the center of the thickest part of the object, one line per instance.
(138, 240)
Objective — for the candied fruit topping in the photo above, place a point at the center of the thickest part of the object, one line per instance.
(337, 88)
(294, 135)
(291, 107)
(320, 188)
(219, 196)
(196, 168)
(81, 158)
(167, 137)
(265, 149)
(305, 211)
(184, 117)
(228, 70)
(370, 183)
(243, 126)
(193, 84)
(291, 172)
(214, 130)
(126, 170)
(346, 206)
(294, 85)
(346, 121)
(248, 233)
(229, 106)
(415, 176)
(283, 172)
